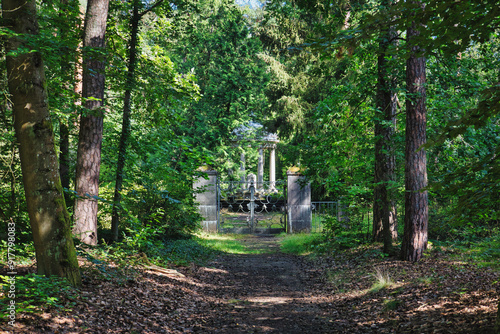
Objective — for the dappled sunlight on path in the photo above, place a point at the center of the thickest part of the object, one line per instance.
(268, 292)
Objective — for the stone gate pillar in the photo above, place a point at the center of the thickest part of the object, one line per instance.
(299, 203)
(207, 200)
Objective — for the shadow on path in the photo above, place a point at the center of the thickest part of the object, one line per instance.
(261, 293)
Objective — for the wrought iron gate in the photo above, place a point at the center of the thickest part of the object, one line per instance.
(251, 207)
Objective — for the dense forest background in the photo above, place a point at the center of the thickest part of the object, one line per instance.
(388, 106)
(182, 76)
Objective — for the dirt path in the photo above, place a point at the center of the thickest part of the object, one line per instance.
(279, 293)
(263, 293)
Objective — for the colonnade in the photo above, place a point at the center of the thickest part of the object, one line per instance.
(260, 167)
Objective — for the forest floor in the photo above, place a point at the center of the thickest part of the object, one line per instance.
(355, 291)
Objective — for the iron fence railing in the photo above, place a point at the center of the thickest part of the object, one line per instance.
(327, 213)
(251, 205)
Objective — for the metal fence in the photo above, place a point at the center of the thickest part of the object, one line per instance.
(248, 207)
(349, 217)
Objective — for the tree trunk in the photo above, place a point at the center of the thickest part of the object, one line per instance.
(49, 219)
(127, 110)
(64, 156)
(67, 69)
(384, 208)
(497, 321)
(88, 162)
(416, 202)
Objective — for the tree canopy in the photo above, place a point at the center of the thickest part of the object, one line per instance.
(183, 76)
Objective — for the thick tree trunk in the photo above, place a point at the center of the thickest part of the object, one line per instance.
(49, 219)
(91, 122)
(384, 208)
(127, 110)
(416, 202)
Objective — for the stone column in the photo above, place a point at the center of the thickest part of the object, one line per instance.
(299, 203)
(272, 168)
(206, 196)
(242, 169)
(260, 169)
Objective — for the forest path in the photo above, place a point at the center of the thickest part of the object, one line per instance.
(271, 292)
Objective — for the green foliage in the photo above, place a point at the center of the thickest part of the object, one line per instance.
(216, 45)
(307, 70)
(35, 293)
(472, 243)
(351, 230)
(24, 251)
(160, 163)
(334, 139)
(171, 218)
(465, 169)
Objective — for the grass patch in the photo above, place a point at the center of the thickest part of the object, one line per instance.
(226, 243)
(382, 281)
(390, 304)
(199, 249)
(185, 252)
(300, 244)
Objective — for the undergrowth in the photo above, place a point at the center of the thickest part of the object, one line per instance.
(34, 292)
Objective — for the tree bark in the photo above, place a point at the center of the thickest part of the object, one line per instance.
(64, 156)
(384, 208)
(127, 110)
(416, 200)
(64, 130)
(496, 330)
(49, 218)
(91, 122)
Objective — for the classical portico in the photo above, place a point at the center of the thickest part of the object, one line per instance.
(268, 142)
